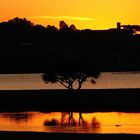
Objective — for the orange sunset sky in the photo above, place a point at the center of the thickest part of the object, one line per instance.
(93, 14)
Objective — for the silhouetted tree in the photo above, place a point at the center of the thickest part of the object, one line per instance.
(68, 79)
(51, 28)
(72, 27)
(20, 21)
(63, 25)
(132, 28)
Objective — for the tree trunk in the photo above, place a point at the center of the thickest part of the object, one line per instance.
(80, 85)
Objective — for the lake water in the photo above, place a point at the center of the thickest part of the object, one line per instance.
(106, 122)
(113, 122)
(106, 80)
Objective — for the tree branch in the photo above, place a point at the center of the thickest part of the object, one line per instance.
(63, 84)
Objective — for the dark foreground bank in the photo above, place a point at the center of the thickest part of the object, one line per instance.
(64, 136)
(62, 100)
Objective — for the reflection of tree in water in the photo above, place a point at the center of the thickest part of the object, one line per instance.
(67, 118)
(52, 122)
(81, 119)
(18, 117)
(95, 123)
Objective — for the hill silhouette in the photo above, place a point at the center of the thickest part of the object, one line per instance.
(26, 47)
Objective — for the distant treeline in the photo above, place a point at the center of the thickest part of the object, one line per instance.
(28, 47)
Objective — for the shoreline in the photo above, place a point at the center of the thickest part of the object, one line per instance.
(63, 136)
(120, 100)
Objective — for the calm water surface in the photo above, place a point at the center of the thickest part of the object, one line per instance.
(107, 122)
(113, 122)
(106, 80)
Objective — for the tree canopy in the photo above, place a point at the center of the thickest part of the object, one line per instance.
(68, 79)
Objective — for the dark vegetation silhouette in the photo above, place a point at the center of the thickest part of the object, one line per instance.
(68, 79)
(26, 47)
(66, 55)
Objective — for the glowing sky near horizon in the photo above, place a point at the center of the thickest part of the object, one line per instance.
(93, 14)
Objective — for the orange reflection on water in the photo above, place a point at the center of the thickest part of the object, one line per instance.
(107, 122)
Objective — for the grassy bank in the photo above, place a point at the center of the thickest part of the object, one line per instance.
(62, 100)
